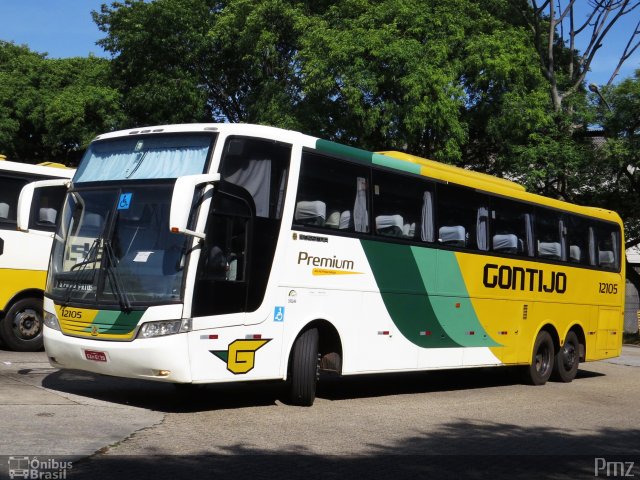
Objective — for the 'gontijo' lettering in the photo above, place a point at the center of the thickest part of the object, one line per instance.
(518, 278)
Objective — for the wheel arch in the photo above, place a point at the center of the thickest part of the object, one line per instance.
(551, 330)
(582, 340)
(329, 346)
(21, 295)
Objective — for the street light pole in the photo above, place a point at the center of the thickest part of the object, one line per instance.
(594, 88)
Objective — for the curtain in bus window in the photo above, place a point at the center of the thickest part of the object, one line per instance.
(145, 164)
(426, 233)
(360, 214)
(481, 228)
(255, 177)
(529, 230)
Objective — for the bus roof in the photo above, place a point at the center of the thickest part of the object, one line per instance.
(391, 159)
(48, 169)
(500, 186)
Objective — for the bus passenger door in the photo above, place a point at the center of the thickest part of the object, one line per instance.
(222, 278)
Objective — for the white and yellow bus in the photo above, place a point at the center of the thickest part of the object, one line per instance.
(221, 252)
(24, 254)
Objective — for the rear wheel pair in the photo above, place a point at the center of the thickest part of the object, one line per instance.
(546, 362)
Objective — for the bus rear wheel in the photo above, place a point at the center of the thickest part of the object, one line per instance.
(304, 368)
(567, 359)
(21, 327)
(542, 360)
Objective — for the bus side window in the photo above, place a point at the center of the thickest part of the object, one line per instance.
(547, 230)
(459, 215)
(607, 240)
(47, 202)
(261, 167)
(9, 193)
(510, 232)
(402, 207)
(332, 194)
(577, 238)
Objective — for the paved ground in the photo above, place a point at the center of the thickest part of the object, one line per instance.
(472, 424)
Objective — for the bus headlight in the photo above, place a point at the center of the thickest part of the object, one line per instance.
(160, 329)
(51, 321)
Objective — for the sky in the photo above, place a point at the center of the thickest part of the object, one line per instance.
(64, 28)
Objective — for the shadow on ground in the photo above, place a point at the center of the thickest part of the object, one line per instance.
(169, 398)
(427, 455)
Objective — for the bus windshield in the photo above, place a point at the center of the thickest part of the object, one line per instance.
(138, 158)
(114, 248)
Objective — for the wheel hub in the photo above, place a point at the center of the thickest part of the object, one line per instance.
(569, 356)
(27, 324)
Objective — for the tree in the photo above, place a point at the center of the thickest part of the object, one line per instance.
(50, 109)
(379, 74)
(203, 60)
(617, 175)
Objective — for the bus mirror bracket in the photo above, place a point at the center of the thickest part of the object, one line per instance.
(25, 200)
(182, 199)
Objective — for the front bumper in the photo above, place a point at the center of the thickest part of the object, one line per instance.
(163, 359)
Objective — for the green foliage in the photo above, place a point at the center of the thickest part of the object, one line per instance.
(50, 109)
(461, 81)
(617, 174)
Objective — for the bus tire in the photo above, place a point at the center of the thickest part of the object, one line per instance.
(567, 359)
(21, 327)
(304, 368)
(539, 371)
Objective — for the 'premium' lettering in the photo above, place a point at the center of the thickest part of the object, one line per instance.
(325, 262)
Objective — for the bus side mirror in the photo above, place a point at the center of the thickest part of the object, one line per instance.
(182, 200)
(25, 200)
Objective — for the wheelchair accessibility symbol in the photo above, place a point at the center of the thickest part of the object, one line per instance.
(125, 201)
(278, 314)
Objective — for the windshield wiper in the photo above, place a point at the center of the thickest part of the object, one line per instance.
(81, 277)
(114, 276)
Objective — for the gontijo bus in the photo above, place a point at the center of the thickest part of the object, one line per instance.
(221, 252)
(24, 254)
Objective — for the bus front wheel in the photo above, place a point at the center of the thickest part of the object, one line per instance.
(21, 327)
(542, 360)
(567, 359)
(304, 368)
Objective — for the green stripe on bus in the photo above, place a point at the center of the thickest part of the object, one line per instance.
(362, 156)
(115, 321)
(396, 163)
(403, 293)
(456, 314)
(405, 275)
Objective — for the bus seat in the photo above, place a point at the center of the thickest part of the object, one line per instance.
(409, 230)
(575, 253)
(606, 258)
(389, 225)
(333, 219)
(452, 235)
(312, 212)
(505, 243)
(345, 220)
(47, 215)
(549, 250)
(4, 210)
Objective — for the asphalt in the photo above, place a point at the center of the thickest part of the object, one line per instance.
(442, 424)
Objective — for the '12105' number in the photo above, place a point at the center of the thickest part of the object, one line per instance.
(608, 288)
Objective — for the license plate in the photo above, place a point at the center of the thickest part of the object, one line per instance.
(95, 356)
